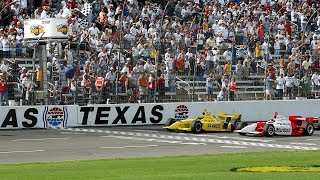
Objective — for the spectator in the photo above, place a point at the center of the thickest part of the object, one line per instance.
(151, 88)
(263, 29)
(129, 89)
(289, 81)
(143, 87)
(315, 83)
(161, 87)
(280, 86)
(233, 88)
(306, 85)
(227, 68)
(3, 91)
(209, 87)
(269, 87)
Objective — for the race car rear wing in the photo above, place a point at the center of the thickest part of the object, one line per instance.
(223, 115)
(307, 119)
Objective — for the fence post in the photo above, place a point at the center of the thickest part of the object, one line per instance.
(44, 71)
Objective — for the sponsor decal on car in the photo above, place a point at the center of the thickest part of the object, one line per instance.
(283, 130)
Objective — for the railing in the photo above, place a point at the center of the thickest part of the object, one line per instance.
(186, 89)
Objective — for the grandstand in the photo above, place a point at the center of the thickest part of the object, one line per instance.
(172, 39)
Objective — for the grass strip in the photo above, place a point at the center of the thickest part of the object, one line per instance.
(213, 166)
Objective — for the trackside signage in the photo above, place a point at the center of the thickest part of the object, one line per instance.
(145, 114)
(121, 115)
(36, 116)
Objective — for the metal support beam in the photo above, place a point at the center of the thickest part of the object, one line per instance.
(44, 72)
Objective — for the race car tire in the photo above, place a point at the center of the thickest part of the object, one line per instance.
(233, 123)
(308, 129)
(242, 134)
(196, 127)
(269, 130)
(241, 125)
(170, 121)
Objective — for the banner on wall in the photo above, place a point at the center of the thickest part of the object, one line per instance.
(151, 114)
(36, 116)
(129, 114)
(145, 114)
(54, 28)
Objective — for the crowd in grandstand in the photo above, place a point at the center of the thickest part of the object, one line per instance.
(137, 48)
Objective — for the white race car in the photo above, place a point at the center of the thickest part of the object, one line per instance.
(279, 125)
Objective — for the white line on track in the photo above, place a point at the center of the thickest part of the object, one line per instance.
(41, 139)
(306, 144)
(247, 139)
(235, 147)
(316, 139)
(191, 143)
(139, 130)
(144, 139)
(11, 152)
(123, 147)
(73, 133)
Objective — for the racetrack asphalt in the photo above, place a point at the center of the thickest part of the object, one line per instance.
(44, 145)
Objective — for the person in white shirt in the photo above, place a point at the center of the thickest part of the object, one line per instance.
(44, 13)
(315, 83)
(126, 69)
(59, 14)
(200, 38)
(227, 54)
(94, 30)
(66, 12)
(209, 87)
(280, 86)
(6, 46)
(289, 80)
(314, 46)
(4, 66)
(148, 67)
(103, 54)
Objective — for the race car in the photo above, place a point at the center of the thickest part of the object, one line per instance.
(279, 125)
(205, 122)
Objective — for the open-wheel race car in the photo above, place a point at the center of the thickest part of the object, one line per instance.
(205, 122)
(279, 125)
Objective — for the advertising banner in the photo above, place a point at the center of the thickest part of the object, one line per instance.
(148, 114)
(19, 117)
(54, 28)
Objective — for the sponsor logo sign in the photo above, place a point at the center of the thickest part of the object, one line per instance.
(55, 116)
(62, 28)
(37, 29)
(120, 115)
(181, 112)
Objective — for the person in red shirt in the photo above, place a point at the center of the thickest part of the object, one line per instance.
(287, 26)
(123, 79)
(3, 91)
(260, 32)
(161, 88)
(71, 4)
(233, 87)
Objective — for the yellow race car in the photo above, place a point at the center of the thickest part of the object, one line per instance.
(205, 122)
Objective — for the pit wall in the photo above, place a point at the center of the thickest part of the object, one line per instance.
(20, 117)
